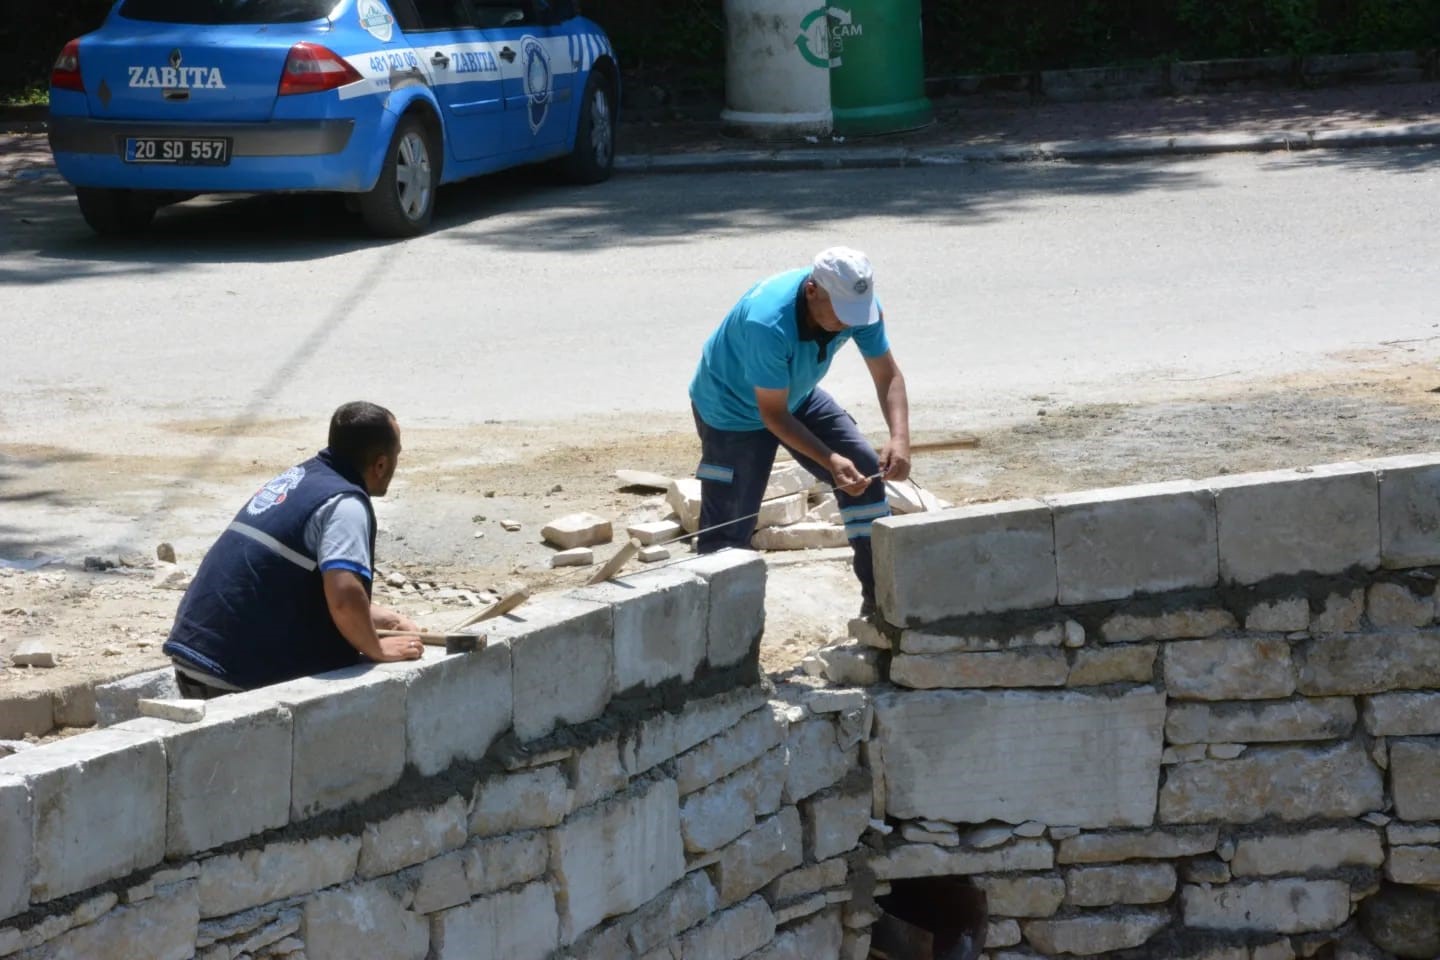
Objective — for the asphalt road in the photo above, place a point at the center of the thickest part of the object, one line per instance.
(537, 302)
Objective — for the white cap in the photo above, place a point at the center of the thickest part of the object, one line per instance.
(846, 275)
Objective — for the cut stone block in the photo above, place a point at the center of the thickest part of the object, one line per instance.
(659, 626)
(578, 557)
(684, 498)
(907, 498)
(686, 904)
(1369, 664)
(1328, 718)
(999, 933)
(1025, 895)
(577, 530)
(764, 853)
(1273, 906)
(1004, 767)
(17, 846)
(848, 664)
(788, 478)
(1390, 606)
(1128, 883)
(597, 771)
(1177, 625)
(563, 651)
(756, 734)
(941, 641)
(735, 610)
(26, 714)
(33, 653)
(808, 880)
(1127, 663)
(1288, 783)
(75, 705)
(663, 736)
(163, 927)
(924, 860)
(653, 554)
(721, 812)
(782, 512)
(441, 884)
(523, 800)
(1409, 510)
(1415, 778)
(349, 736)
(1322, 521)
(176, 711)
(1414, 865)
(520, 924)
(732, 934)
(496, 863)
(1412, 834)
(987, 559)
(1041, 667)
(228, 775)
(1402, 714)
(654, 531)
(803, 535)
(233, 882)
(1239, 668)
(1279, 616)
(1342, 613)
(1095, 933)
(834, 819)
(615, 856)
(98, 808)
(826, 510)
(411, 837)
(1116, 846)
(1112, 544)
(816, 759)
(117, 701)
(363, 921)
(1314, 851)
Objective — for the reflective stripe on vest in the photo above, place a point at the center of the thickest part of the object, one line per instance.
(265, 540)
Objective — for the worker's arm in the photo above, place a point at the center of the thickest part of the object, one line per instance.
(350, 609)
(895, 403)
(775, 414)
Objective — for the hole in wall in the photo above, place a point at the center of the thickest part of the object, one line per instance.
(930, 918)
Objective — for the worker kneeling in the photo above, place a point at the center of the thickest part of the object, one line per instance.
(285, 591)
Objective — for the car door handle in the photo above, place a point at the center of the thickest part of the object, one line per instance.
(507, 55)
(440, 60)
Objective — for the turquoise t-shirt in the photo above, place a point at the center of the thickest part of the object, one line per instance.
(759, 345)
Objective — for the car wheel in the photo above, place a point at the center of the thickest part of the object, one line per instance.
(403, 201)
(115, 212)
(593, 158)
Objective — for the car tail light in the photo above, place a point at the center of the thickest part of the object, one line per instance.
(311, 68)
(66, 73)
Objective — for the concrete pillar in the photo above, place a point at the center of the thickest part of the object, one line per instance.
(777, 68)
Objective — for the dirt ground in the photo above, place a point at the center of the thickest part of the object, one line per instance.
(442, 544)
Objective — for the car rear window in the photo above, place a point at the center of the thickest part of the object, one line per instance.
(227, 11)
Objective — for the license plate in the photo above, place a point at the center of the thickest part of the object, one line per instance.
(186, 151)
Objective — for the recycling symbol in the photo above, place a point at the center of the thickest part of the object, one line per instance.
(811, 38)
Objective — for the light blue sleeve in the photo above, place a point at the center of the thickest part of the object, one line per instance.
(338, 534)
(872, 340)
(765, 357)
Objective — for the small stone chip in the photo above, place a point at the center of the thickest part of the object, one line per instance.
(654, 554)
(578, 557)
(165, 552)
(510, 526)
(179, 711)
(33, 653)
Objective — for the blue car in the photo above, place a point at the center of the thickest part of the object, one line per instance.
(383, 100)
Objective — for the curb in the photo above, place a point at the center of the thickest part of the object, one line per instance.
(854, 158)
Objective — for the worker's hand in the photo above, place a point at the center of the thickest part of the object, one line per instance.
(386, 619)
(400, 648)
(846, 476)
(895, 460)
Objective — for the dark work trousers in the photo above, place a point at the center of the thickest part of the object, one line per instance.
(735, 469)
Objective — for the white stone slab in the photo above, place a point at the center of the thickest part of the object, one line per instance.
(1111, 544)
(363, 921)
(984, 559)
(233, 882)
(563, 656)
(98, 808)
(659, 623)
(1274, 906)
(163, 927)
(1321, 519)
(735, 610)
(519, 924)
(228, 775)
(613, 857)
(17, 846)
(1409, 510)
(1064, 757)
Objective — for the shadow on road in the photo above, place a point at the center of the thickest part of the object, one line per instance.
(1381, 160)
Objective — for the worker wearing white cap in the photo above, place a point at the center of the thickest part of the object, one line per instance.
(757, 388)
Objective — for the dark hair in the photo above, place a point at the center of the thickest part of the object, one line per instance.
(360, 432)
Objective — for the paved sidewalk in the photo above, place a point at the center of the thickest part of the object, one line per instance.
(1331, 118)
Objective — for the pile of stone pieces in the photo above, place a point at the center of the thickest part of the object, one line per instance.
(800, 512)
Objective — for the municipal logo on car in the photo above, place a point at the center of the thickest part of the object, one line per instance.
(376, 19)
(274, 493)
(539, 81)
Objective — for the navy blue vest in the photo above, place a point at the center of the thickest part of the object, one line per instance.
(255, 613)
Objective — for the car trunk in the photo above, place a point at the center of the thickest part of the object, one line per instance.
(188, 72)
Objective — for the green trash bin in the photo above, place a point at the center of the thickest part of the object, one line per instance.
(877, 67)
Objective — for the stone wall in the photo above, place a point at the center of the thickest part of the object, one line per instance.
(1185, 720)
(609, 778)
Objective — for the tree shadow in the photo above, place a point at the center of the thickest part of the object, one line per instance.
(1408, 160)
(19, 488)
